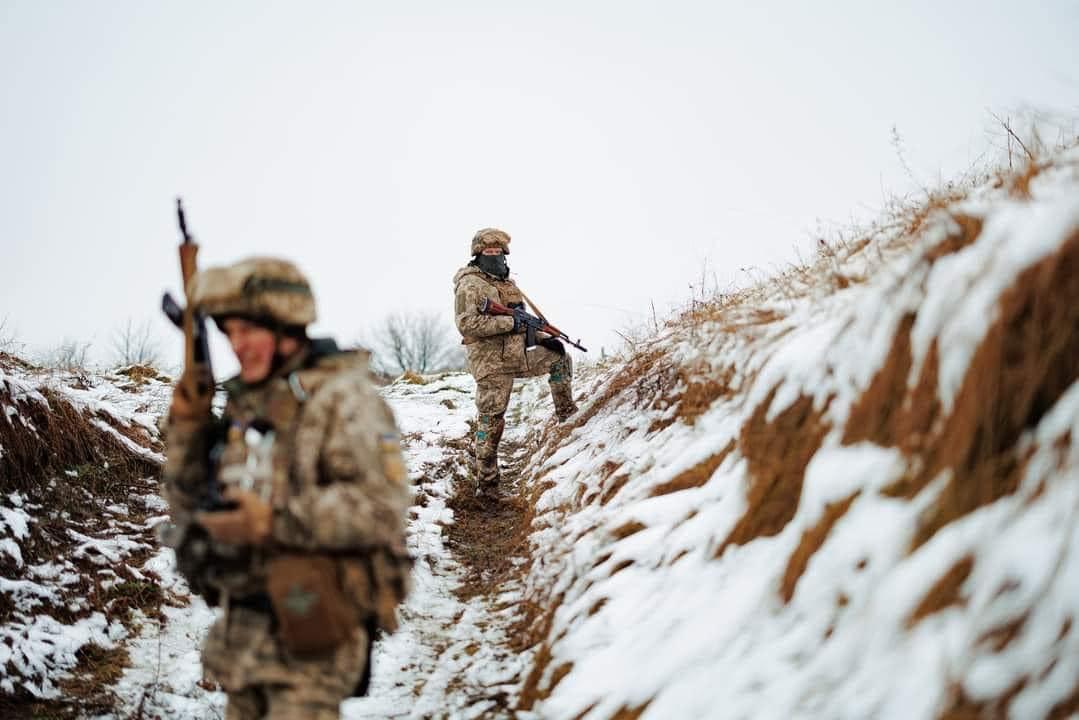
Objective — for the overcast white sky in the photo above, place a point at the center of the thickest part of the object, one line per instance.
(621, 144)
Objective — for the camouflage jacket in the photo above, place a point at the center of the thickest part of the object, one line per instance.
(491, 345)
(332, 472)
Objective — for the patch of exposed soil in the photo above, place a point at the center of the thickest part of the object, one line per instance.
(777, 452)
(695, 476)
(945, 592)
(811, 541)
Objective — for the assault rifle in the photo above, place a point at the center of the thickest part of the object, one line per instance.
(531, 323)
(197, 376)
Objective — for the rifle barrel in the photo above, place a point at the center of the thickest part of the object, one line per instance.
(183, 220)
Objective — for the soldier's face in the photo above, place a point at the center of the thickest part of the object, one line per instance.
(492, 251)
(253, 346)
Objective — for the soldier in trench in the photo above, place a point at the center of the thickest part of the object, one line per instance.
(307, 561)
(495, 346)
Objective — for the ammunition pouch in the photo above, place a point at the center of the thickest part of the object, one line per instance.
(313, 615)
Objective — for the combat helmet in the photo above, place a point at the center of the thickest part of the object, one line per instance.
(490, 238)
(269, 291)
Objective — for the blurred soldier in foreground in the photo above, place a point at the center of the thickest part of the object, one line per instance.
(289, 510)
(496, 349)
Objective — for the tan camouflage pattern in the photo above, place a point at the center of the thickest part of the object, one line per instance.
(495, 357)
(489, 344)
(255, 287)
(243, 646)
(490, 238)
(493, 397)
(335, 477)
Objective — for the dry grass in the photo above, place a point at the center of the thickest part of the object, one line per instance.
(70, 470)
(62, 437)
(411, 378)
(532, 692)
(140, 375)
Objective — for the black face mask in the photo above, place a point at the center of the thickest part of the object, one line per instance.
(493, 265)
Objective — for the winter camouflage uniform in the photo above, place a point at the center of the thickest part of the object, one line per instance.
(333, 474)
(497, 355)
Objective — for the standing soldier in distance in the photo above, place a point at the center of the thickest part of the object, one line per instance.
(310, 560)
(496, 350)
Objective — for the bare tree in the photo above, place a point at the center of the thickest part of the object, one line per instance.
(421, 342)
(135, 344)
(68, 355)
(9, 341)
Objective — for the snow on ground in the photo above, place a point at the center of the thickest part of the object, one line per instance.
(165, 679)
(448, 659)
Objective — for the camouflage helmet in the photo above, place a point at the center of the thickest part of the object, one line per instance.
(490, 238)
(270, 291)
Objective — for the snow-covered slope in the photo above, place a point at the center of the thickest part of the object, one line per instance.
(83, 584)
(856, 500)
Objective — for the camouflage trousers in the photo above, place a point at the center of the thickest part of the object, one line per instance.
(265, 682)
(493, 397)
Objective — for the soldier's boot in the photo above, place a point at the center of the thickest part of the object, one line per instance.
(489, 430)
(561, 383)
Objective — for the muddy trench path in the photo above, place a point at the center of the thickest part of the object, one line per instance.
(459, 650)
(489, 534)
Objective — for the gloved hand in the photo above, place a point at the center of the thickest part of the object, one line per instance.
(185, 408)
(553, 344)
(248, 524)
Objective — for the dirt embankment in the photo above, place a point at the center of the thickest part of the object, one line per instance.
(83, 481)
(962, 450)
